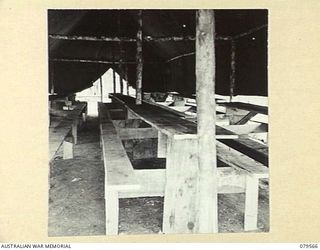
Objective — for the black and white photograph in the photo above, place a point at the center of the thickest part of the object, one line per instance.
(158, 121)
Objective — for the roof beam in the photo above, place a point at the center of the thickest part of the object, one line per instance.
(88, 61)
(250, 31)
(95, 61)
(127, 39)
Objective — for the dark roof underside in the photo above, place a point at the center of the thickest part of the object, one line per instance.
(158, 74)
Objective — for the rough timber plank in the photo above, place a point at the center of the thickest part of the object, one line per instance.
(246, 106)
(180, 201)
(251, 148)
(137, 133)
(237, 160)
(166, 122)
(120, 174)
(152, 183)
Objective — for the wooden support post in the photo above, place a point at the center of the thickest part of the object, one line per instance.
(112, 212)
(232, 68)
(251, 203)
(51, 79)
(126, 76)
(162, 145)
(114, 76)
(75, 130)
(121, 56)
(101, 90)
(120, 77)
(67, 150)
(139, 60)
(84, 116)
(180, 212)
(206, 118)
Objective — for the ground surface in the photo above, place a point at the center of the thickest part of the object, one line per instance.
(76, 197)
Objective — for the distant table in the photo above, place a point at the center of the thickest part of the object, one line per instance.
(246, 106)
(63, 124)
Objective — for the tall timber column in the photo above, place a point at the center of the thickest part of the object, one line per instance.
(232, 68)
(139, 60)
(206, 119)
(126, 76)
(121, 56)
(101, 90)
(114, 76)
(121, 74)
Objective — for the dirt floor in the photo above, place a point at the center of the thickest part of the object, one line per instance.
(76, 197)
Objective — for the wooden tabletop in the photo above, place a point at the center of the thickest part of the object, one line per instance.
(246, 106)
(167, 122)
(174, 126)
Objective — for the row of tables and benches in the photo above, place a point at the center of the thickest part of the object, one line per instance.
(177, 182)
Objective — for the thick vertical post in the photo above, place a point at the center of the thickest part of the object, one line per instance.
(206, 119)
(121, 75)
(139, 60)
(114, 73)
(126, 76)
(232, 68)
(51, 79)
(121, 56)
(101, 90)
(180, 210)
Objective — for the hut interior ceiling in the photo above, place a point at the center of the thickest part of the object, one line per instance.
(80, 52)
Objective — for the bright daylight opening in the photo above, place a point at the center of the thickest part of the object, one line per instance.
(94, 94)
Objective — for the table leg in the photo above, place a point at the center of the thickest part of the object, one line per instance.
(251, 203)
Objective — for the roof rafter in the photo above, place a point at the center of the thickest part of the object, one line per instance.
(127, 39)
(249, 31)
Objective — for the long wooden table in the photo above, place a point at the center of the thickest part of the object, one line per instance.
(246, 106)
(167, 122)
(177, 141)
(64, 123)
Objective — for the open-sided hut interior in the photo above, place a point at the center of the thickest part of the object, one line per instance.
(197, 150)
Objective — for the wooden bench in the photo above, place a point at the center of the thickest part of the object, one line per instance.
(251, 148)
(121, 180)
(179, 145)
(240, 113)
(59, 133)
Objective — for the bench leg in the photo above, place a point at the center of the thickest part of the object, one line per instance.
(251, 203)
(162, 145)
(75, 130)
(84, 116)
(67, 150)
(112, 212)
